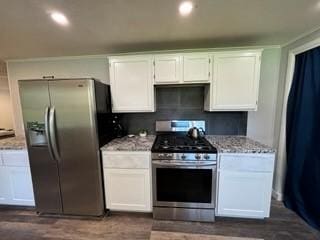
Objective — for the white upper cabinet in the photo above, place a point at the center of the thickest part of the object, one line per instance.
(235, 82)
(196, 68)
(64, 67)
(231, 78)
(182, 68)
(167, 69)
(131, 80)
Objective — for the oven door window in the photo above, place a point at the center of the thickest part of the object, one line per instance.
(184, 185)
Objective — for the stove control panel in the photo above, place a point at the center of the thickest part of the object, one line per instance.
(185, 156)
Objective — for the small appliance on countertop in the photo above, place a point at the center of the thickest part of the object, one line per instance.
(117, 127)
(196, 133)
(183, 172)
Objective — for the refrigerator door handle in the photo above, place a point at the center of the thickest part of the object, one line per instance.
(47, 130)
(52, 135)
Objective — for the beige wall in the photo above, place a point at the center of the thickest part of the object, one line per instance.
(5, 101)
(261, 123)
(97, 67)
(64, 67)
(280, 170)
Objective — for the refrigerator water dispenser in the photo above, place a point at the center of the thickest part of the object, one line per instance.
(37, 134)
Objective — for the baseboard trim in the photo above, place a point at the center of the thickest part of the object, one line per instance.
(277, 195)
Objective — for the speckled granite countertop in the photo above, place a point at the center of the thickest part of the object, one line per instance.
(224, 144)
(13, 143)
(135, 143)
(237, 144)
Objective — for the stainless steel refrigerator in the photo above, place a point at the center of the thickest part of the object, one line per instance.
(66, 121)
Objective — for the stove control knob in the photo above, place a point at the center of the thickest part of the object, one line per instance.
(183, 157)
(198, 156)
(206, 157)
(169, 155)
(160, 155)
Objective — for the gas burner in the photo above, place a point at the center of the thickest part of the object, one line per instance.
(177, 143)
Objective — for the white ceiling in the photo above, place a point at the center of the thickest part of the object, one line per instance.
(111, 26)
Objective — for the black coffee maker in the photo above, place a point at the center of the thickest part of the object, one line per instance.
(117, 127)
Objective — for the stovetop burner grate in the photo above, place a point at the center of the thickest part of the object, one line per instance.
(181, 143)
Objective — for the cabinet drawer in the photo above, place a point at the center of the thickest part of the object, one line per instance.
(15, 158)
(135, 160)
(247, 162)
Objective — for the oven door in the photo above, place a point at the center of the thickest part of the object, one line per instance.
(184, 185)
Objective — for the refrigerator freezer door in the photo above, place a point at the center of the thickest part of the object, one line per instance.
(35, 100)
(77, 147)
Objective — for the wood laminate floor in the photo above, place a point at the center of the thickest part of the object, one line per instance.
(22, 224)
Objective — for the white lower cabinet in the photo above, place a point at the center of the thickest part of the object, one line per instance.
(21, 186)
(127, 180)
(4, 186)
(245, 185)
(15, 179)
(128, 189)
(244, 194)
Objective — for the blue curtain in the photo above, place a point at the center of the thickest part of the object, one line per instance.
(302, 187)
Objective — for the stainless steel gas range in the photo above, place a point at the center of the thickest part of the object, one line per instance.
(183, 173)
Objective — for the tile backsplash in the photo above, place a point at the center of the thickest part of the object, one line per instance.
(185, 103)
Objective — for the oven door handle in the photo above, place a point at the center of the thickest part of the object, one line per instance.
(183, 165)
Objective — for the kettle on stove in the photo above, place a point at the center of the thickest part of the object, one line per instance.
(196, 133)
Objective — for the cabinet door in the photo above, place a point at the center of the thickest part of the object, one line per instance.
(167, 69)
(132, 84)
(90, 67)
(4, 186)
(128, 189)
(196, 67)
(244, 194)
(235, 81)
(20, 186)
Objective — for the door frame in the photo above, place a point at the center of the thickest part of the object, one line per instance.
(282, 156)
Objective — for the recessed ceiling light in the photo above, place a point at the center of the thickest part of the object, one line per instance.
(60, 18)
(185, 8)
